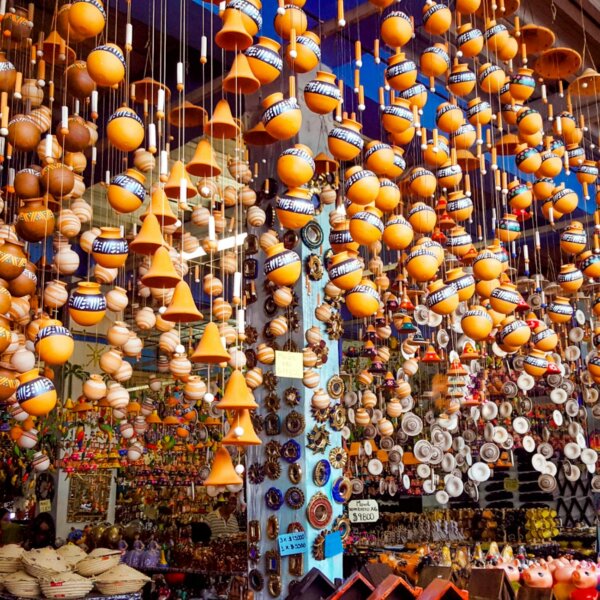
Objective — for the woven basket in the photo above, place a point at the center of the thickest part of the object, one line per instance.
(44, 562)
(121, 579)
(72, 554)
(22, 585)
(66, 585)
(10, 558)
(98, 561)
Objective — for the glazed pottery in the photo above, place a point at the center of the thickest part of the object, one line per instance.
(34, 221)
(126, 191)
(87, 304)
(282, 118)
(110, 249)
(36, 394)
(282, 267)
(321, 94)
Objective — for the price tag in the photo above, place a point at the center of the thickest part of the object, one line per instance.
(289, 364)
(292, 543)
(45, 505)
(363, 511)
(511, 485)
(333, 544)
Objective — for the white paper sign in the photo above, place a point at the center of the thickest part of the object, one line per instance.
(363, 511)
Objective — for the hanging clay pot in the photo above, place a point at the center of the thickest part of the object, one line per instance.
(110, 248)
(344, 140)
(36, 394)
(461, 81)
(126, 191)
(308, 53)
(363, 299)
(321, 94)
(361, 186)
(282, 118)
(54, 342)
(264, 60)
(401, 73)
(87, 304)
(345, 270)
(295, 166)
(396, 29)
(573, 239)
(388, 196)
(560, 310)
(469, 40)
(437, 18)
(366, 226)
(295, 208)
(34, 221)
(463, 282)
(23, 133)
(434, 60)
(13, 259)
(282, 267)
(421, 264)
(476, 323)
(106, 65)
(79, 82)
(125, 129)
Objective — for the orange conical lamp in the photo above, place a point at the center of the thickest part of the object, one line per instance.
(161, 208)
(237, 396)
(241, 79)
(233, 34)
(248, 437)
(203, 163)
(161, 273)
(222, 471)
(221, 124)
(173, 184)
(210, 349)
(182, 308)
(149, 238)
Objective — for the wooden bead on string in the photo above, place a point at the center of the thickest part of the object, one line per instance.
(341, 19)
(358, 54)
(376, 51)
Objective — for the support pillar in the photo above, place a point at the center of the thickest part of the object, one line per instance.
(309, 293)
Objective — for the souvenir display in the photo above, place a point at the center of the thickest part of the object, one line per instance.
(322, 277)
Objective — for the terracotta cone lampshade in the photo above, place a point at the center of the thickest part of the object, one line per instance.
(241, 79)
(233, 34)
(222, 471)
(161, 208)
(248, 437)
(187, 115)
(221, 124)
(210, 349)
(203, 163)
(149, 238)
(162, 273)
(173, 185)
(182, 308)
(258, 136)
(237, 396)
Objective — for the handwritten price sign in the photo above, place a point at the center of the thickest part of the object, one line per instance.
(292, 543)
(363, 511)
(289, 364)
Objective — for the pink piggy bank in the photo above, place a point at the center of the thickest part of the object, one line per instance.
(511, 569)
(563, 574)
(537, 576)
(585, 580)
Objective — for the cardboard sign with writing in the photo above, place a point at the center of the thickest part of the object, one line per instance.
(363, 511)
(289, 364)
(292, 543)
(45, 505)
